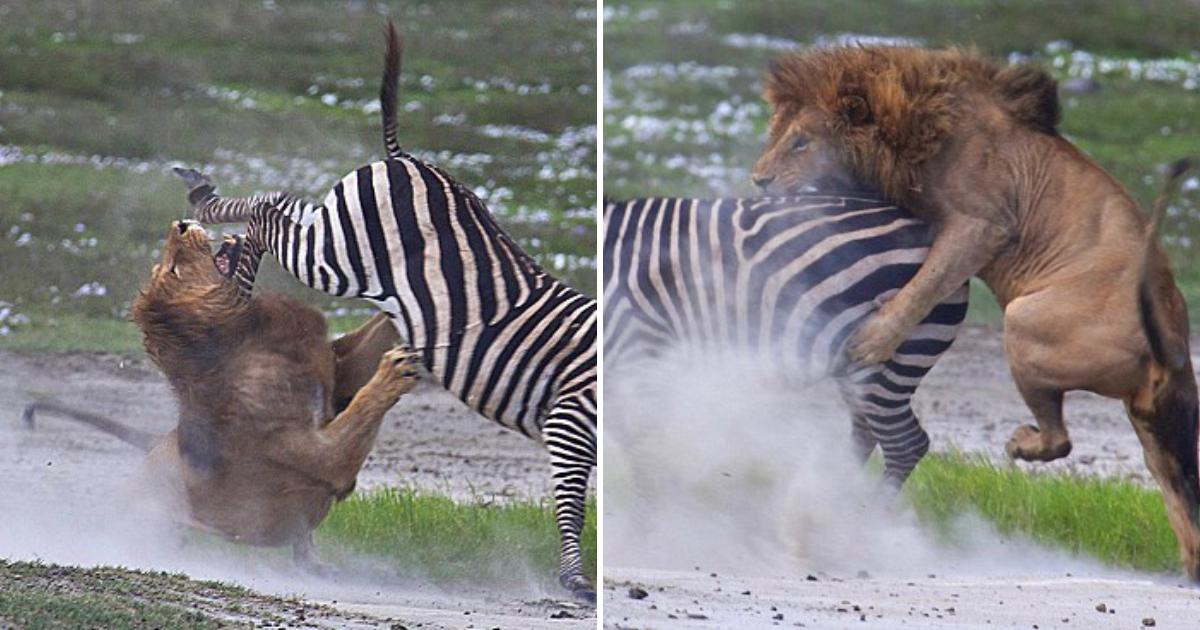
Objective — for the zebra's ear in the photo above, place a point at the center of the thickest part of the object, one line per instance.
(854, 109)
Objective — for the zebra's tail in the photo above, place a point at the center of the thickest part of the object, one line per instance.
(1163, 311)
(134, 437)
(389, 91)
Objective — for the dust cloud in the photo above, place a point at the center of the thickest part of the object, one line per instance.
(711, 463)
(89, 510)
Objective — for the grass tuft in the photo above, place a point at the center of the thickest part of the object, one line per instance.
(438, 538)
(1115, 521)
(36, 595)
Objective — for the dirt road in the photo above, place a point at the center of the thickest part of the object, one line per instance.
(70, 493)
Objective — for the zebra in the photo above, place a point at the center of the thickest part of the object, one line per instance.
(785, 278)
(494, 328)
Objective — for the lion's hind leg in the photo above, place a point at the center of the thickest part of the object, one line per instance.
(357, 355)
(1047, 441)
(304, 555)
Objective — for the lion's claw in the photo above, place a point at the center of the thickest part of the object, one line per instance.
(876, 341)
(400, 368)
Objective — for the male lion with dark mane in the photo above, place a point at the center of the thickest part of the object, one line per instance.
(972, 146)
(275, 421)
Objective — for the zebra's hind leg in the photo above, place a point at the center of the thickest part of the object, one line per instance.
(903, 442)
(862, 440)
(881, 413)
(571, 441)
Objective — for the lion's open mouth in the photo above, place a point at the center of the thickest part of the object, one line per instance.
(226, 258)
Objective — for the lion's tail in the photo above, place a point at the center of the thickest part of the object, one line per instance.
(134, 437)
(1162, 308)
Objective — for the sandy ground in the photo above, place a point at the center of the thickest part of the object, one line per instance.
(765, 558)
(679, 599)
(64, 479)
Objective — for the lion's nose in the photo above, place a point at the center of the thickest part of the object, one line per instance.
(183, 225)
(763, 181)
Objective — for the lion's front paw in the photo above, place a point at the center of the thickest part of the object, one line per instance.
(877, 340)
(399, 369)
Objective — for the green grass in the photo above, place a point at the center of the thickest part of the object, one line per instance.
(1115, 521)
(40, 596)
(435, 537)
(243, 91)
(70, 332)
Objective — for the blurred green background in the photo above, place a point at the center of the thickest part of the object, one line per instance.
(99, 99)
(682, 79)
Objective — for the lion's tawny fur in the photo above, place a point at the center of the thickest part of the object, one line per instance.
(1089, 299)
(274, 420)
(915, 97)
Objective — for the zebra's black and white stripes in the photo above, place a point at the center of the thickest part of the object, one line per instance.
(785, 279)
(495, 329)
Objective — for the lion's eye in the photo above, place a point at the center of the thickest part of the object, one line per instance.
(799, 144)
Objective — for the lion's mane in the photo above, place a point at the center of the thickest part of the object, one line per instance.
(914, 100)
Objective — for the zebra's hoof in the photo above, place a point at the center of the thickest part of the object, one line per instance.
(585, 595)
(193, 178)
(581, 588)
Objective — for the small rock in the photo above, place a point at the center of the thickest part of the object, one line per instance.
(811, 578)
(638, 593)
(779, 617)
(1101, 607)
(1149, 622)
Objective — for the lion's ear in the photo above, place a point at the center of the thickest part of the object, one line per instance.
(854, 109)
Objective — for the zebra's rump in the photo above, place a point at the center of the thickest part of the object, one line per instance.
(788, 277)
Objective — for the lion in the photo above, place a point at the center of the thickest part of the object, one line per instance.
(275, 421)
(1088, 296)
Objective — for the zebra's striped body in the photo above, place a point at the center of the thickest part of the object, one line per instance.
(495, 329)
(786, 279)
